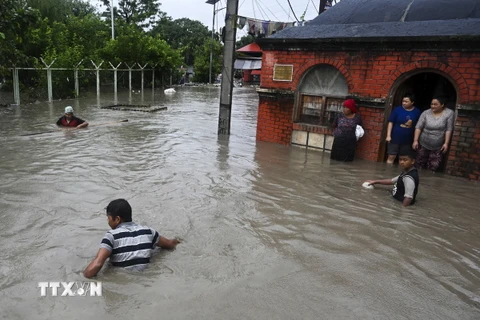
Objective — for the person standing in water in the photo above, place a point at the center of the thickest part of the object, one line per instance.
(432, 134)
(345, 124)
(69, 120)
(401, 128)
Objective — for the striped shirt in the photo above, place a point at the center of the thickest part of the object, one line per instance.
(130, 245)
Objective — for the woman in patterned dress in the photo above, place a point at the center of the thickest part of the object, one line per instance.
(345, 124)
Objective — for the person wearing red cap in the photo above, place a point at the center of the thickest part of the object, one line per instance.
(345, 124)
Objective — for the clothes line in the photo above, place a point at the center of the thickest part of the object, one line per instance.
(262, 28)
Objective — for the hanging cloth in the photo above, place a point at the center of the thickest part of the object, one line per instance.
(241, 22)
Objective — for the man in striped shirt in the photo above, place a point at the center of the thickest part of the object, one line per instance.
(127, 245)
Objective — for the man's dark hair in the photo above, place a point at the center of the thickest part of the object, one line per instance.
(408, 153)
(120, 208)
(410, 96)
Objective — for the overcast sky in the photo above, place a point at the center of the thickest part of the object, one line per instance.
(274, 10)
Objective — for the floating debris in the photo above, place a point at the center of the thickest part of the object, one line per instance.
(134, 107)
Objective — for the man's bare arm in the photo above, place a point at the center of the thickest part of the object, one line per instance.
(96, 265)
(167, 243)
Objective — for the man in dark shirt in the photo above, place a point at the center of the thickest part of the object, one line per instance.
(69, 120)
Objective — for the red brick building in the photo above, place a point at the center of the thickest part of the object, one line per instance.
(374, 51)
(249, 60)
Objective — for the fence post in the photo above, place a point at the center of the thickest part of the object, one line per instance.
(115, 77)
(16, 87)
(98, 76)
(142, 72)
(129, 80)
(49, 79)
(153, 77)
(75, 75)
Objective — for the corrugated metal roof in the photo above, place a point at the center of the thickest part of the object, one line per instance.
(247, 64)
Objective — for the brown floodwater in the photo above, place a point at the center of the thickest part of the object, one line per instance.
(268, 231)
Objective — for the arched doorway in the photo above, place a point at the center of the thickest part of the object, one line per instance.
(424, 84)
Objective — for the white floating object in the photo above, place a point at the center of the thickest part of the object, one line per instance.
(169, 90)
(367, 185)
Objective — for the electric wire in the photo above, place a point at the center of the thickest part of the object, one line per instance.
(286, 12)
(269, 10)
(315, 7)
(292, 10)
(262, 12)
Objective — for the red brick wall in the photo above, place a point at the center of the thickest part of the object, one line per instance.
(368, 145)
(464, 156)
(275, 118)
(371, 75)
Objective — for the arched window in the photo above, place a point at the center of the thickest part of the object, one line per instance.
(320, 95)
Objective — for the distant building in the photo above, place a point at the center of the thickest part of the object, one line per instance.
(374, 51)
(249, 60)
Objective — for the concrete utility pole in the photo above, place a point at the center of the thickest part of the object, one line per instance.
(111, 17)
(322, 6)
(224, 116)
(211, 44)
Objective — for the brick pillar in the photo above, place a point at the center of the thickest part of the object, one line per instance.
(464, 156)
(275, 114)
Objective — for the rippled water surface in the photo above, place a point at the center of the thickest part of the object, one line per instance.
(268, 231)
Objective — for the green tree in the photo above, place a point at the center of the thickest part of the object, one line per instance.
(245, 40)
(140, 12)
(183, 34)
(202, 62)
(16, 19)
(133, 45)
(67, 44)
(61, 10)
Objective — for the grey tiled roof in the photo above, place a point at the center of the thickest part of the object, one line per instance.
(390, 19)
(448, 28)
(370, 11)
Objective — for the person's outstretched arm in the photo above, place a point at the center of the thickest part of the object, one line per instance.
(386, 182)
(167, 243)
(96, 265)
